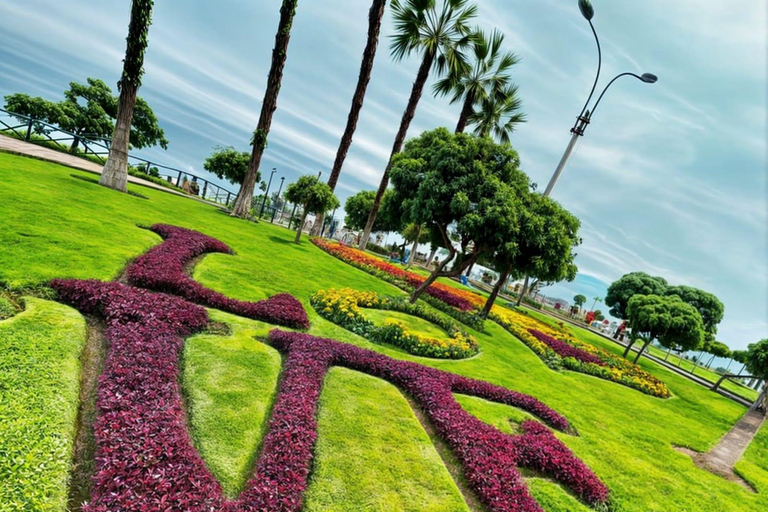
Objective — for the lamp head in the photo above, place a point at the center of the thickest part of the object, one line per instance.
(586, 9)
(649, 78)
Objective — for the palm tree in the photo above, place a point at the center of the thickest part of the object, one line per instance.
(115, 172)
(242, 205)
(440, 37)
(488, 76)
(498, 115)
(374, 27)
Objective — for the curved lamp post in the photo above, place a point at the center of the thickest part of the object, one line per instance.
(585, 115)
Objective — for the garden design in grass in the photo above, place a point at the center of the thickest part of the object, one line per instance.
(344, 307)
(555, 348)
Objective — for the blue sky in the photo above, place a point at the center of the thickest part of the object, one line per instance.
(670, 178)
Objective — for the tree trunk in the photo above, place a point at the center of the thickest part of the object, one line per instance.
(469, 269)
(375, 16)
(301, 225)
(431, 256)
(523, 291)
(630, 343)
(405, 123)
(242, 206)
(730, 362)
(645, 346)
(412, 257)
(495, 293)
(668, 351)
(709, 363)
(115, 173)
(75, 144)
(466, 110)
(761, 404)
(743, 367)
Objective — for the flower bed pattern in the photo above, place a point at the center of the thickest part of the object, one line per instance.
(146, 460)
(460, 304)
(162, 269)
(559, 350)
(343, 307)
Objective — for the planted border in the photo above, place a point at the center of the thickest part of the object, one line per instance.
(162, 269)
(146, 461)
(343, 307)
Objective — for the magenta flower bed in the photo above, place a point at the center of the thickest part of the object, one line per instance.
(162, 269)
(564, 349)
(146, 461)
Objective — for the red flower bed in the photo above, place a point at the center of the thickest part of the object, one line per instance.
(564, 349)
(146, 461)
(162, 269)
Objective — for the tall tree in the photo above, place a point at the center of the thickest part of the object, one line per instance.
(757, 365)
(440, 37)
(487, 75)
(709, 306)
(242, 206)
(634, 283)
(115, 173)
(358, 208)
(498, 115)
(717, 349)
(375, 15)
(314, 197)
(580, 300)
(540, 245)
(470, 183)
(667, 319)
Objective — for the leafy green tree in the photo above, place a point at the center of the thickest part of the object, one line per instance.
(375, 16)
(740, 356)
(358, 208)
(229, 164)
(469, 183)
(709, 306)
(757, 365)
(89, 111)
(487, 75)
(115, 173)
(538, 244)
(634, 283)
(497, 116)
(580, 300)
(667, 319)
(417, 234)
(440, 37)
(313, 196)
(717, 349)
(242, 205)
(599, 316)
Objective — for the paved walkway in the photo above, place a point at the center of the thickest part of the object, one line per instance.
(19, 147)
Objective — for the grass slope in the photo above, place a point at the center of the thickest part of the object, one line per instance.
(65, 227)
(39, 386)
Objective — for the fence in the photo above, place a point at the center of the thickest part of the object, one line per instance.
(96, 149)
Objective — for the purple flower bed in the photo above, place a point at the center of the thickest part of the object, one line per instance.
(162, 269)
(146, 461)
(564, 349)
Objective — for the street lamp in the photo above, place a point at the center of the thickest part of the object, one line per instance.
(274, 210)
(264, 201)
(585, 116)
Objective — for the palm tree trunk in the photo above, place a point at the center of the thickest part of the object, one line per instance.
(301, 224)
(375, 16)
(242, 205)
(115, 172)
(495, 293)
(466, 110)
(405, 123)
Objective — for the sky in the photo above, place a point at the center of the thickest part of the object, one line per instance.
(669, 179)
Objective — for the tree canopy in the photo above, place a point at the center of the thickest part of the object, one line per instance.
(89, 110)
(634, 283)
(358, 208)
(757, 365)
(314, 196)
(665, 318)
(709, 307)
(580, 300)
(443, 179)
(229, 164)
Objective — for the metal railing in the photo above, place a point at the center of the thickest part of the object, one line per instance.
(96, 149)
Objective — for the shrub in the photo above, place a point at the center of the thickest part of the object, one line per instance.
(162, 269)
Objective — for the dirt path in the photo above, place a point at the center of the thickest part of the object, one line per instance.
(721, 459)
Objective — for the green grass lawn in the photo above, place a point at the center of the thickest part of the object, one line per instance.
(415, 324)
(372, 454)
(39, 386)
